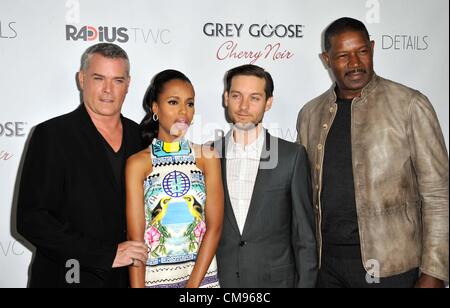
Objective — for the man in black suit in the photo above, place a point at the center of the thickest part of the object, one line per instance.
(72, 199)
(268, 233)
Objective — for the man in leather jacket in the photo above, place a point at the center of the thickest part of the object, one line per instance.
(379, 173)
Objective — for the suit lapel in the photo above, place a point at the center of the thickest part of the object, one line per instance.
(259, 188)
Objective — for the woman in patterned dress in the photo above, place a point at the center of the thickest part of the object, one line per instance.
(174, 193)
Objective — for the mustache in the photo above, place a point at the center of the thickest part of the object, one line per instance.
(358, 70)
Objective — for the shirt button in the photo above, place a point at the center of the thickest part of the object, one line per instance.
(320, 147)
(318, 167)
(325, 126)
(317, 187)
(331, 110)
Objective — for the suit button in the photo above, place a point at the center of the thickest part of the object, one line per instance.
(237, 274)
(242, 243)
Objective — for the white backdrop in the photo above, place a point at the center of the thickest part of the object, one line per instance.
(41, 43)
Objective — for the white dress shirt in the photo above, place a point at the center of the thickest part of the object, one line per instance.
(242, 169)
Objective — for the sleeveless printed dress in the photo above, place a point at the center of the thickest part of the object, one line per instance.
(175, 196)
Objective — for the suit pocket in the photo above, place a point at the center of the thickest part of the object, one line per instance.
(283, 272)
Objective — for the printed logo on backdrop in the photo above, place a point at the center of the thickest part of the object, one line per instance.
(11, 248)
(11, 130)
(8, 30)
(97, 34)
(116, 34)
(5, 155)
(275, 51)
(405, 42)
(396, 41)
(110, 33)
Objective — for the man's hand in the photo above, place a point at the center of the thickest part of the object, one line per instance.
(130, 253)
(426, 281)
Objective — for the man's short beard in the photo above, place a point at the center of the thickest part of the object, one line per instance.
(246, 127)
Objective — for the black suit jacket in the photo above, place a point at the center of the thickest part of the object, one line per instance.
(278, 246)
(70, 206)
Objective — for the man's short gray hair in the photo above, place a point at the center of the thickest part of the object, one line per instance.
(107, 50)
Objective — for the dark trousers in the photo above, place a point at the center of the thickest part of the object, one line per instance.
(342, 268)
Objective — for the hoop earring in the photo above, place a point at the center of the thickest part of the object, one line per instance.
(155, 117)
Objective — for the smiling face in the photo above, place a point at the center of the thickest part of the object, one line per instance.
(246, 102)
(350, 58)
(104, 85)
(175, 108)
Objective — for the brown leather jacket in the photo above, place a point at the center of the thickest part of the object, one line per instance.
(400, 168)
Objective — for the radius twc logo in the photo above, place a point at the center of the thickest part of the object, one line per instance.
(100, 34)
(118, 34)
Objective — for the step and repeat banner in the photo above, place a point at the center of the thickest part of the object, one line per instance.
(41, 43)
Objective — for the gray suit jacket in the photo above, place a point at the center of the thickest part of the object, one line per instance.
(278, 247)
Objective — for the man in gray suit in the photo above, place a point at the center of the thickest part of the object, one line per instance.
(268, 236)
